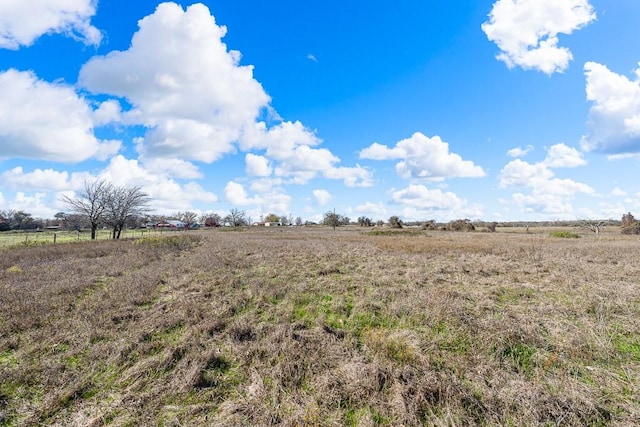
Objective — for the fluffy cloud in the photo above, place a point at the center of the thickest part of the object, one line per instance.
(40, 120)
(563, 156)
(519, 151)
(167, 195)
(41, 179)
(519, 173)
(419, 203)
(182, 83)
(420, 197)
(37, 204)
(107, 112)
(257, 165)
(548, 194)
(543, 203)
(21, 22)
(356, 176)
(614, 117)
(526, 31)
(424, 157)
(290, 153)
(237, 195)
(273, 200)
(175, 168)
(198, 103)
(618, 192)
(278, 141)
(322, 197)
(290, 147)
(265, 185)
(304, 163)
(373, 210)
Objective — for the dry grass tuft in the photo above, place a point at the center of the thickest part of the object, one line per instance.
(313, 327)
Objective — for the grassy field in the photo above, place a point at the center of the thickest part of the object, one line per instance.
(22, 238)
(311, 327)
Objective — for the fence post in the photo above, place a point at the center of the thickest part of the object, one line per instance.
(54, 238)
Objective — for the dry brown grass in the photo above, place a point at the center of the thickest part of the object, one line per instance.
(307, 327)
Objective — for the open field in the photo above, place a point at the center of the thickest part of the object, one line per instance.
(22, 238)
(310, 327)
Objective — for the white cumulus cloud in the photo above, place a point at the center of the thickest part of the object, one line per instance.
(614, 117)
(519, 151)
(237, 195)
(22, 22)
(46, 121)
(257, 165)
(355, 176)
(424, 157)
(38, 179)
(167, 194)
(183, 83)
(420, 203)
(526, 31)
(563, 156)
(547, 193)
(322, 197)
(421, 197)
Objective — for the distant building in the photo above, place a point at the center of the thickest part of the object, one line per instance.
(172, 224)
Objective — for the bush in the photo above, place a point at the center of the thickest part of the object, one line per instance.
(430, 225)
(395, 222)
(460, 225)
(630, 225)
(564, 234)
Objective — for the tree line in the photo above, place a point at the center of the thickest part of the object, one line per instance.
(101, 203)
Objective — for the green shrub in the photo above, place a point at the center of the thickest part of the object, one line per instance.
(564, 234)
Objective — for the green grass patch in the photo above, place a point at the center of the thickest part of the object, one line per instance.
(564, 234)
(8, 359)
(451, 339)
(521, 356)
(628, 346)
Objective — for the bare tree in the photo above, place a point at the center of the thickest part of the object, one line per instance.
(75, 222)
(594, 226)
(91, 203)
(189, 218)
(123, 203)
(236, 218)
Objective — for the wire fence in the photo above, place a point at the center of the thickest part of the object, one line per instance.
(10, 239)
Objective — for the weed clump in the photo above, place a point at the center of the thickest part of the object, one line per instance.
(564, 234)
(14, 269)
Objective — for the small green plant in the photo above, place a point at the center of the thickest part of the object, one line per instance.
(564, 234)
(521, 355)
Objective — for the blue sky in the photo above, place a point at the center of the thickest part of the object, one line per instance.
(493, 110)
